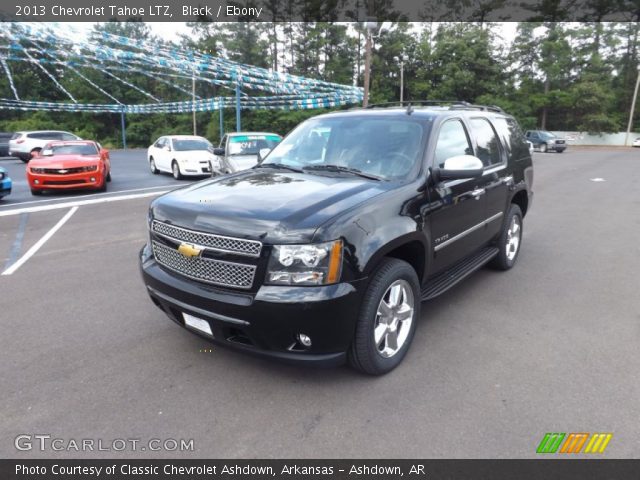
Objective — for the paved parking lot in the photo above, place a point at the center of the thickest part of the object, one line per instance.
(550, 346)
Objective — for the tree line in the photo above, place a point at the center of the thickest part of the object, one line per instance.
(550, 75)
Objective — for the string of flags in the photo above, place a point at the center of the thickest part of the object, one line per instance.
(61, 52)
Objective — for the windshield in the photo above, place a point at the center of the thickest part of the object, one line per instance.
(385, 147)
(251, 144)
(184, 145)
(547, 135)
(78, 149)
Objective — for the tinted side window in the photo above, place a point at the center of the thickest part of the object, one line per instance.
(486, 141)
(68, 136)
(452, 141)
(512, 138)
(159, 143)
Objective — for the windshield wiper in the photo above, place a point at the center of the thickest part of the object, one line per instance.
(278, 165)
(341, 169)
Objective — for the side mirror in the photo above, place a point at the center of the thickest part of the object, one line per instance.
(218, 152)
(47, 152)
(104, 152)
(460, 167)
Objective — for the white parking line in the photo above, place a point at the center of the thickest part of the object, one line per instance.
(39, 243)
(91, 195)
(55, 206)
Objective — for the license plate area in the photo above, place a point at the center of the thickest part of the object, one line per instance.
(198, 324)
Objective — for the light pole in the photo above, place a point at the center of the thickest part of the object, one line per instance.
(370, 27)
(633, 107)
(403, 58)
(193, 99)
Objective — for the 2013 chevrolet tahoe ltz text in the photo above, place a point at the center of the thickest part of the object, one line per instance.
(324, 251)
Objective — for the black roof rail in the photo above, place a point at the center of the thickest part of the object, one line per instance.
(453, 105)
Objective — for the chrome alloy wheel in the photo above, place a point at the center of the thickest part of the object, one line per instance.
(513, 238)
(394, 318)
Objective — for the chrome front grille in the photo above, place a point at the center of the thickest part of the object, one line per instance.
(219, 243)
(207, 270)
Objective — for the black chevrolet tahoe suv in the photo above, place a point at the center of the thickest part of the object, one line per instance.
(323, 252)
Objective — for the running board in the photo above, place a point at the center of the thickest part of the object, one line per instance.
(447, 279)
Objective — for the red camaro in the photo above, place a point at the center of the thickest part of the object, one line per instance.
(69, 165)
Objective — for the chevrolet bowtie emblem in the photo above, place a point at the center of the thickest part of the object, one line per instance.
(189, 250)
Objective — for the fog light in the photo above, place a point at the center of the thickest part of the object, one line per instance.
(304, 340)
(37, 182)
(93, 179)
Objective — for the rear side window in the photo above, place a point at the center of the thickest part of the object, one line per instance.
(488, 146)
(16, 136)
(69, 136)
(452, 141)
(512, 138)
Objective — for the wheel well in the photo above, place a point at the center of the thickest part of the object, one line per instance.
(522, 200)
(413, 254)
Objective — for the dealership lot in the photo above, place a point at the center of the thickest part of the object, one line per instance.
(498, 361)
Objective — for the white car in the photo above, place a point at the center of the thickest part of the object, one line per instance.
(183, 156)
(25, 145)
(530, 147)
(242, 150)
(636, 142)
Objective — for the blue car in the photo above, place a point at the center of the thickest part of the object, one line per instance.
(5, 183)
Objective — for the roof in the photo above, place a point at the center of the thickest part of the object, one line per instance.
(235, 134)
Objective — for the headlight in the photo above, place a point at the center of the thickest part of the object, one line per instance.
(91, 168)
(317, 264)
(1, 175)
(37, 170)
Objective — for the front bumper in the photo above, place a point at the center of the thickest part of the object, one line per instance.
(65, 182)
(264, 323)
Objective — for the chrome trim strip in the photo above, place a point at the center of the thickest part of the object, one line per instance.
(200, 311)
(468, 231)
(214, 235)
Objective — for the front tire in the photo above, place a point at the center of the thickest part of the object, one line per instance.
(387, 320)
(175, 169)
(152, 166)
(543, 148)
(510, 240)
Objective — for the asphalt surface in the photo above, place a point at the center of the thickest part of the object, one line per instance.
(498, 361)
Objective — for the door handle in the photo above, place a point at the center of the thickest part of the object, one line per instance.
(477, 192)
(507, 180)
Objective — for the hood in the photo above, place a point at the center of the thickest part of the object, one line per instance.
(242, 162)
(196, 155)
(263, 204)
(64, 161)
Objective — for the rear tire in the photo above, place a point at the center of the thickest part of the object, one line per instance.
(175, 169)
(387, 320)
(510, 240)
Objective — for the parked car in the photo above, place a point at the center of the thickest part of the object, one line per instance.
(69, 165)
(636, 142)
(5, 183)
(328, 261)
(543, 141)
(183, 156)
(4, 143)
(239, 151)
(25, 145)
